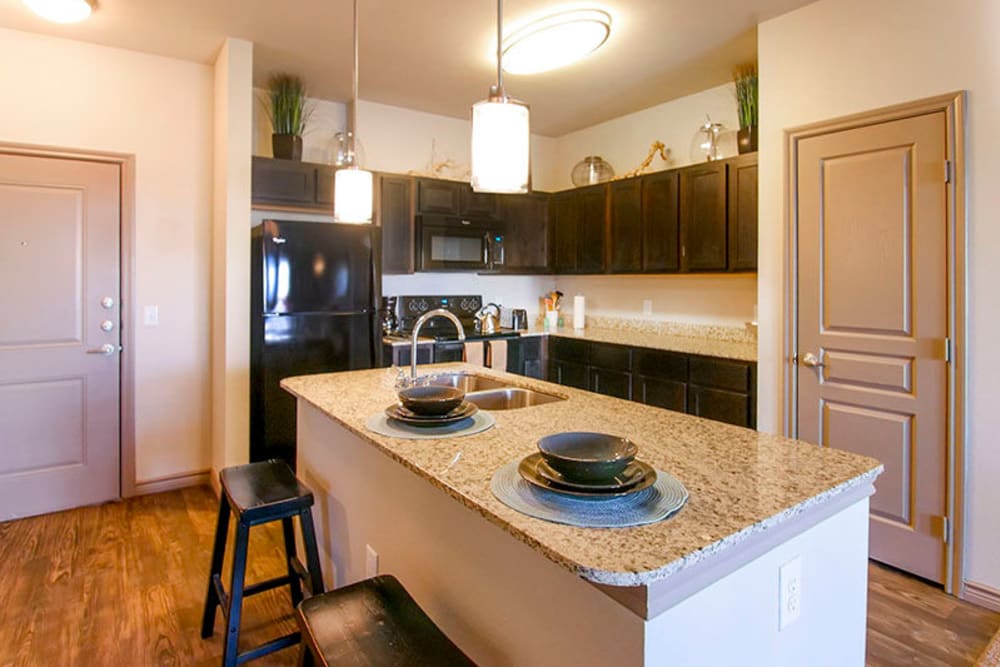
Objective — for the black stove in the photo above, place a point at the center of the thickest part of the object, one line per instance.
(446, 346)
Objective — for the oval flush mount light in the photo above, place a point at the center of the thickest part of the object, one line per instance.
(61, 11)
(555, 40)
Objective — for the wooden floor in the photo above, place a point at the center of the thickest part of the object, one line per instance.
(123, 584)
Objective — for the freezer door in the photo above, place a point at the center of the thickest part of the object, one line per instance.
(313, 267)
(300, 345)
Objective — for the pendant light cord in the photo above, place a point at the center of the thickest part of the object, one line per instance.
(499, 47)
(354, 84)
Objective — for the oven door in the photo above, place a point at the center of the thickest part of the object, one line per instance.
(452, 244)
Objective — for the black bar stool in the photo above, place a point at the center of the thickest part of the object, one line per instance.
(373, 622)
(259, 493)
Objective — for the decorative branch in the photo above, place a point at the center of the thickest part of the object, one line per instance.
(655, 147)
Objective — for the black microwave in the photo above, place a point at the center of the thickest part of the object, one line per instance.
(449, 243)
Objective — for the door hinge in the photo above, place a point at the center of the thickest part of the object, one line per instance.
(947, 350)
(944, 527)
(947, 171)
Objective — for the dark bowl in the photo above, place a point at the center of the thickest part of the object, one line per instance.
(431, 400)
(587, 457)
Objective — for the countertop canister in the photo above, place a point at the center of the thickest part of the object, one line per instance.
(579, 311)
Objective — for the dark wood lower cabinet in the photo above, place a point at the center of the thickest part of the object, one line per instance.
(611, 383)
(659, 393)
(570, 374)
(720, 405)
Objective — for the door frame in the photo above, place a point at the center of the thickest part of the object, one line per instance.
(953, 106)
(126, 212)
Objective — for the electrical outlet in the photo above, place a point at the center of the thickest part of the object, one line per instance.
(790, 586)
(371, 561)
(647, 306)
(151, 316)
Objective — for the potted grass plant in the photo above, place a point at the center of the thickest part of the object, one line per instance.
(745, 78)
(289, 111)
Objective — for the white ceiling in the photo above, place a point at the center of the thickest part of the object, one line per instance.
(435, 55)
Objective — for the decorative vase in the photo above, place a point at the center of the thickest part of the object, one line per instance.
(590, 170)
(746, 139)
(286, 146)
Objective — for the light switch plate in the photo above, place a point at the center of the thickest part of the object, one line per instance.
(647, 306)
(151, 316)
(790, 587)
(371, 561)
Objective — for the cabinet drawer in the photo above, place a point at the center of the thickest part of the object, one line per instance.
(614, 357)
(720, 373)
(611, 383)
(569, 350)
(660, 393)
(569, 374)
(724, 406)
(659, 364)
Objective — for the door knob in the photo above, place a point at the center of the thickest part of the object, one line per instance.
(812, 361)
(107, 350)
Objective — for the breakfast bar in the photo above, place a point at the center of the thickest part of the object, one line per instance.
(770, 548)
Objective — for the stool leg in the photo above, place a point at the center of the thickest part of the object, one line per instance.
(218, 552)
(312, 554)
(295, 585)
(230, 652)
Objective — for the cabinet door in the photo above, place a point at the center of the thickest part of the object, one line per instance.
(526, 240)
(661, 393)
(478, 204)
(434, 196)
(283, 182)
(611, 382)
(563, 218)
(625, 225)
(724, 406)
(660, 222)
(743, 213)
(396, 218)
(325, 176)
(703, 218)
(569, 374)
(591, 228)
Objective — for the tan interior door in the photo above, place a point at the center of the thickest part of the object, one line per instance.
(59, 334)
(872, 321)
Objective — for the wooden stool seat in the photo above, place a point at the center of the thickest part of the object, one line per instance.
(259, 493)
(264, 491)
(374, 622)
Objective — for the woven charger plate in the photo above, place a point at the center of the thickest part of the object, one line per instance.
(656, 503)
(381, 424)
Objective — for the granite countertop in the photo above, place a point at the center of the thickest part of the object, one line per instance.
(743, 350)
(741, 482)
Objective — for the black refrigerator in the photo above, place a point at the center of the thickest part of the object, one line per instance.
(314, 291)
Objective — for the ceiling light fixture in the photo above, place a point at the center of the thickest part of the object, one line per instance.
(352, 185)
(501, 135)
(61, 11)
(556, 40)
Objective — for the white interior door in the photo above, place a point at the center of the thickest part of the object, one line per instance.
(59, 334)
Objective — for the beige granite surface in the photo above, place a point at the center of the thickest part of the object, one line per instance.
(704, 340)
(741, 482)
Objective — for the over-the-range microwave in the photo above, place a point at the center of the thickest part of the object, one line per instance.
(449, 243)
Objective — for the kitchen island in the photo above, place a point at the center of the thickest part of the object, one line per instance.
(700, 588)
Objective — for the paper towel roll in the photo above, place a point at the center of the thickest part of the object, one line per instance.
(579, 311)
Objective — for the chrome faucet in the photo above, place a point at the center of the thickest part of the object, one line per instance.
(423, 319)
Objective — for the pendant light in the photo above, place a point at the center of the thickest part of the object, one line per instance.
(61, 11)
(501, 135)
(352, 185)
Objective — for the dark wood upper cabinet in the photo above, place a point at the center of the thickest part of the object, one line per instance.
(591, 229)
(660, 222)
(291, 184)
(703, 227)
(395, 214)
(743, 213)
(563, 215)
(478, 204)
(526, 232)
(436, 196)
(625, 225)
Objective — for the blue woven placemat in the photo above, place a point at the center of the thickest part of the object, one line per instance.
(477, 423)
(656, 503)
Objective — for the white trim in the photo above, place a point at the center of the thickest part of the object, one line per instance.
(172, 482)
(982, 595)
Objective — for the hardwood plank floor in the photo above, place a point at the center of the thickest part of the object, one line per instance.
(124, 583)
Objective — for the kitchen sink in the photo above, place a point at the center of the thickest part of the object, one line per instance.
(467, 382)
(509, 398)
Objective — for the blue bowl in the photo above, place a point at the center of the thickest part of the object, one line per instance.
(584, 457)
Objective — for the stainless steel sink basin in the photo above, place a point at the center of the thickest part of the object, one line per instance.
(467, 382)
(509, 398)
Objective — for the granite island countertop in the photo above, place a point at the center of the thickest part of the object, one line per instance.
(741, 482)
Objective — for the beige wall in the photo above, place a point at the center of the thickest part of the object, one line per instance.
(69, 94)
(233, 106)
(837, 57)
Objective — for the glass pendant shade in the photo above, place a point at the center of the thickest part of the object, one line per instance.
(501, 147)
(352, 195)
(60, 11)
(590, 170)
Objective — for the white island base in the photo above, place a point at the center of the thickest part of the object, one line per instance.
(506, 604)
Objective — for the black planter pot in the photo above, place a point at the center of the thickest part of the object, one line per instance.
(746, 139)
(286, 146)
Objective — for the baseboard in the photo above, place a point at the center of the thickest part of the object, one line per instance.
(982, 595)
(172, 482)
